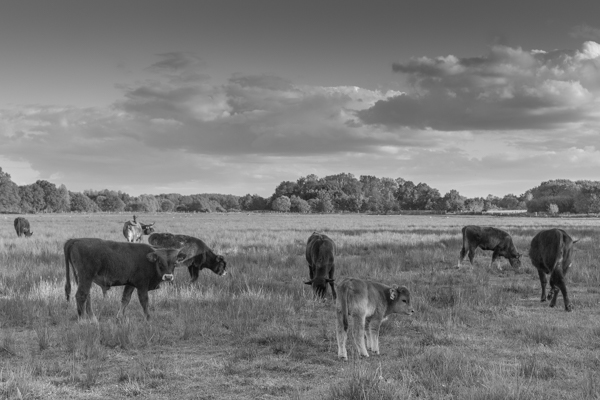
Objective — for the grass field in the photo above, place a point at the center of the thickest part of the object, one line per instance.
(477, 333)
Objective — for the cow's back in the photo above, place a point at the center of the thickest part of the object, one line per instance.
(550, 246)
(97, 256)
(319, 246)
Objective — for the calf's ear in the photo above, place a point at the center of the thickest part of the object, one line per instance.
(393, 293)
(152, 257)
(308, 282)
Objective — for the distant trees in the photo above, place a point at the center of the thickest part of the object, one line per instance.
(281, 204)
(9, 193)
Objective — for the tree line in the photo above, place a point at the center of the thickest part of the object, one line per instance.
(334, 193)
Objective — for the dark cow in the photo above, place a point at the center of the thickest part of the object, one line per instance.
(199, 255)
(133, 230)
(320, 251)
(107, 263)
(22, 227)
(488, 238)
(551, 253)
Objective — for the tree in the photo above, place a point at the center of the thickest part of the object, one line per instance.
(9, 193)
(552, 209)
(281, 204)
(81, 203)
(110, 203)
(323, 202)
(53, 198)
(32, 198)
(299, 205)
(452, 202)
(167, 205)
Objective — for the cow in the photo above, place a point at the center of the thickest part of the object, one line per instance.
(489, 238)
(133, 230)
(108, 263)
(368, 303)
(320, 251)
(22, 227)
(198, 254)
(551, 252)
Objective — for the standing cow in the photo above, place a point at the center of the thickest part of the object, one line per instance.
(320, 251)
(22, 227)
(550, 252)
(368, 303)
(198, 254)
(133, 230)
(488, 238)
(107, 263)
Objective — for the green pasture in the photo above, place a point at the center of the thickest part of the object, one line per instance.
(258, 333)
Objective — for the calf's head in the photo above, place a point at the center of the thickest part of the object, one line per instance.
(165, 261)
(399, 299)
(319, 285)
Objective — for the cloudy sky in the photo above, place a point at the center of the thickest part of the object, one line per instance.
(237, 96)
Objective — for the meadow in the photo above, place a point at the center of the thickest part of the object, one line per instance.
(258, 333)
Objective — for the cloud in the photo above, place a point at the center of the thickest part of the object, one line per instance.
(508, 89)
(586, 32)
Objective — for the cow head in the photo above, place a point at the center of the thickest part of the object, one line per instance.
(319, 285)
(165, 261)
(219, 266)
(399, 299)
(148, 228)
(515, 260)
(27, 233)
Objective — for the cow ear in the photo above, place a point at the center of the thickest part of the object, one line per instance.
(152, 257)
(308, 282)
(393, 293)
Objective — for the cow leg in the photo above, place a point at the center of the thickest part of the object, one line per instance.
(557, 283)
(127, 291)
(471, 254)
(495, 258)
(332, 283)
(143, 297)
(194, 273)
(359, 335)
(373, 332)
(341, 334)
(82, 297)
(553, 294)
(463, 253)
(543, 282)
(310, 272)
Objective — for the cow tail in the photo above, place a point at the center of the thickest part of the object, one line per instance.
(67, 261)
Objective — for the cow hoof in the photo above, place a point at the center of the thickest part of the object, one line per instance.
(543, 299)
(569, 307)
(552, 304)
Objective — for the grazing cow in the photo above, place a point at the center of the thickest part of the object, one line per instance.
(107, 263)
(133, 230)
(22, 227)
(320, 250)
(369, 303)
(198, 254)
(551, 253)
(488, 238)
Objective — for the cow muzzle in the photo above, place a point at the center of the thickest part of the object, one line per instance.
(168, 277)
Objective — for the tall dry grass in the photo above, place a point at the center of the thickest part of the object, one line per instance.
(478, 333)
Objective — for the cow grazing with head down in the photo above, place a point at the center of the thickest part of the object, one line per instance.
(133, 230)
(22, 227)
(198, 254)
(320, 251)
(489, 238)
(551, 253)
(107, 263)
(368, 303)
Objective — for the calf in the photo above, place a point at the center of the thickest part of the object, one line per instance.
(488, 238)
(134, 230)
(22, 227)
(551, 252)
(107, 263)
(320, 251)
(369, 303)
(198, 254)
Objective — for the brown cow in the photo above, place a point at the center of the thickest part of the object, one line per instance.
(551, 252)
(320, 251)
(107, 263)
(198, 254)
(489, 238)
(22, 227)
(369, 303)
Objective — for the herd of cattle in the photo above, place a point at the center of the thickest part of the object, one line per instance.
(141, 266)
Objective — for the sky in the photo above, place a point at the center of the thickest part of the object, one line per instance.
(234, 97)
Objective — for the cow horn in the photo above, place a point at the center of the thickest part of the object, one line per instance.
(575, 241)
(308, 282)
